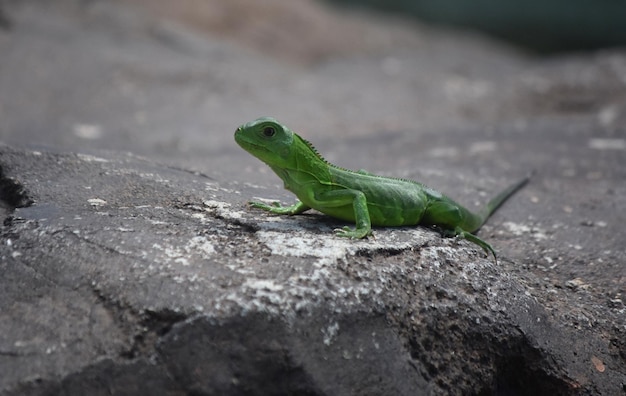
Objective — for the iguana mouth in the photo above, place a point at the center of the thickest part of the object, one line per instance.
(248, 145)
(244, 143)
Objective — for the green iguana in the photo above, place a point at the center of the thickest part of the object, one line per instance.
(357, 196)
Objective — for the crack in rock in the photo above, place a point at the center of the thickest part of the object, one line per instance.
(12, 193)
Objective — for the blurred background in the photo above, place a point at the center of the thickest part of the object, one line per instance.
(173, 79)
(543, 26)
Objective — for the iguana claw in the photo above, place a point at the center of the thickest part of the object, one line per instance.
(353, 233)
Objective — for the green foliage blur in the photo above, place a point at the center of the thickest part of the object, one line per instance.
(537, 25)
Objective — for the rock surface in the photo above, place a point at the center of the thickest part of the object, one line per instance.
(146, 273)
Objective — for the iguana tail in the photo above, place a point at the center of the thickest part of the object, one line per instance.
(499, 199)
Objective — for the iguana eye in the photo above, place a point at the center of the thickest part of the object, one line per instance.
(269, 131)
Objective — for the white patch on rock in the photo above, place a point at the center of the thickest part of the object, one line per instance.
(91, 158)
(222, 209)
(607, 144)
(97, 202)
(522, 229)
(330, 332)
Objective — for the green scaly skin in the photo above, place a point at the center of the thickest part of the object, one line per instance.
(357, 196)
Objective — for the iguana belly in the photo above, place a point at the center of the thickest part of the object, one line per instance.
(390, 202)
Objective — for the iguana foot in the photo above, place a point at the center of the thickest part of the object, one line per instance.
(264, 206)
(277, 208)
(353, 233)
(459, 232)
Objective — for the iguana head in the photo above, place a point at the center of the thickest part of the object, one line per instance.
(266, 139)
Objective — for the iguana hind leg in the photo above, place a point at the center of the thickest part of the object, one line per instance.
(356, 199)
(459, 232)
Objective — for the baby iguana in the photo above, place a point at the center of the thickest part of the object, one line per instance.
(358, 196)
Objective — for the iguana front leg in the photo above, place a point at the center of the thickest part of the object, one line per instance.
(357, 200)
(277, 208)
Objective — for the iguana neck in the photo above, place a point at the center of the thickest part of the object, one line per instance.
(305, 165)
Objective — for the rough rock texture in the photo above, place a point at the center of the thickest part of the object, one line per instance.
(127, 274)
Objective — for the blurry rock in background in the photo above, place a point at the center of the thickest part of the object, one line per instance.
(316, 29)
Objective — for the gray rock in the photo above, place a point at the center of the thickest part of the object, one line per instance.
(125, 276)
